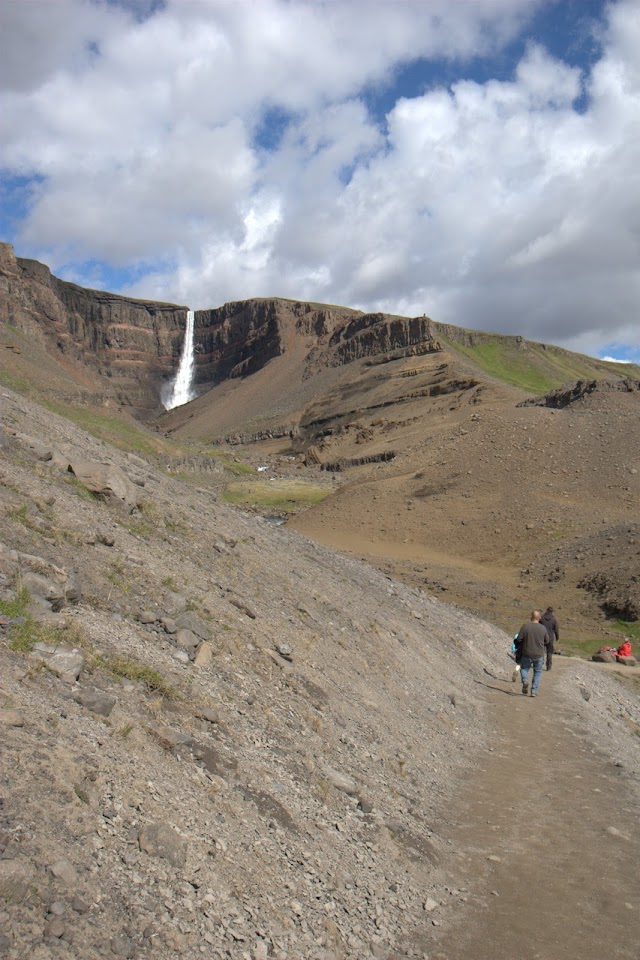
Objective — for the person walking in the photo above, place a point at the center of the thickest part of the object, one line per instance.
(533, 638)
(550, 622)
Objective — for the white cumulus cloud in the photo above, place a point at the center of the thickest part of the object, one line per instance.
(229, 149)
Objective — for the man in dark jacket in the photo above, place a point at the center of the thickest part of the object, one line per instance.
(549, 621)
(533, 639)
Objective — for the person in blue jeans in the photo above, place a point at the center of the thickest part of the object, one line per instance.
(532, 640)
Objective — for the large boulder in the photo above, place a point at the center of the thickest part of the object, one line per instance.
(38, 586)
(104, 479)
(604, 656)
(66, 662)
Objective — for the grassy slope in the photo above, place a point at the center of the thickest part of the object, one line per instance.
(536, 368)
(286, 495)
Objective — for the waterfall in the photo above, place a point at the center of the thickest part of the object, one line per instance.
(182, 390)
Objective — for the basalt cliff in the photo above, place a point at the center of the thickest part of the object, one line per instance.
(106, 344)
(129, 349)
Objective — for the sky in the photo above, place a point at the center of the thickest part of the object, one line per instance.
(474, 160)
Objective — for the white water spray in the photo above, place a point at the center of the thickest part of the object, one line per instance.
(182, 390)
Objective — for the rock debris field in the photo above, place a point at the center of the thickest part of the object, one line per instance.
(221, 739)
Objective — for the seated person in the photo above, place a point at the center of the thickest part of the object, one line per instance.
(624, 650)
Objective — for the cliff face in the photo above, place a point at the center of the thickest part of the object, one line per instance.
(135, 344)
(240, 338)
(131, 347)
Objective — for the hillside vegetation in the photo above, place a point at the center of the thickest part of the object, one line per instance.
(533, 367)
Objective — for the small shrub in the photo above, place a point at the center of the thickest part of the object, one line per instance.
(20, 514)
(124, 730)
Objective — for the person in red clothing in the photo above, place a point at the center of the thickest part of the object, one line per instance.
(624, 650)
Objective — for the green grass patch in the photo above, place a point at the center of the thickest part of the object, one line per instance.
(126, 668)
(83, 492)
(119, 576)
(238, 469)
(20, 514)
(18, 605)
(229, 462)
(579, 646)
(117, 430)
(630, 629)
(287, 495)
(24, 636)
(534, 368)
(586, 646)
(19, 384)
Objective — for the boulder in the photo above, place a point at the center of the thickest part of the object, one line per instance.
(40, 586)
(170, 738)
(8, 560)
(16, 878)
(104, 537)
(65, 872)
(341, 781)
(189, 621)
(41, 450)
(603, 656)
(66, 662)
(95, 700)
(627, 661)
(146, 616)
(188, 641)
(11, 718)
(104, 479)
(204, 655)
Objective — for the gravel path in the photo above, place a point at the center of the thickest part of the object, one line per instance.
(546, 832)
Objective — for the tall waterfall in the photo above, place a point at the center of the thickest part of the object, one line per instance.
(182, 389)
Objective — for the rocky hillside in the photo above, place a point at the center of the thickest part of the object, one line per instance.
(218, 737)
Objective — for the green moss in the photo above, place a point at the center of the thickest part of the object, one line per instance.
(83, 492)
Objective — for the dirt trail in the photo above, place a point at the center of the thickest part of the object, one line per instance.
(561, 818)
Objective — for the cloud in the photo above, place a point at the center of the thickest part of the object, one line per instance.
(509, 205)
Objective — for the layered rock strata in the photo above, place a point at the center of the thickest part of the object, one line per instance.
(133, 344)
